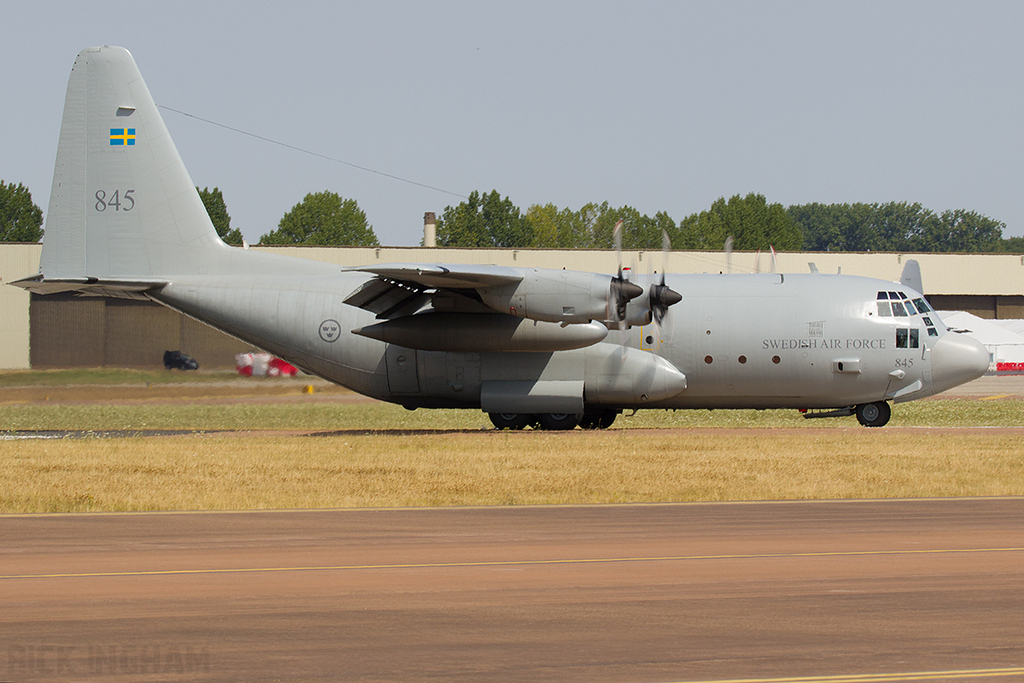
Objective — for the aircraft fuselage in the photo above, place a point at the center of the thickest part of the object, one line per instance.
(741, 341)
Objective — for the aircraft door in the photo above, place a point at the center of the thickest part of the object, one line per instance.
(402, 375)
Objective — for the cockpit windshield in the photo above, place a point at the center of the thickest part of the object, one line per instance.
(899, 305)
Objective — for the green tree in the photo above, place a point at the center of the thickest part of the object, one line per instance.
(960, 230)
(323, 218)
(639, 231)
(1013, 245)
(752, 222)
(20, 219)
(213, 200)
(562, 228)
(484, 221)
(900, 225)
(545, 222)
(894, 226)
(837, 227)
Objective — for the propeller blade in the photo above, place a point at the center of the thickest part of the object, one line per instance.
(618, 294)
(662, 296)
(666, 246)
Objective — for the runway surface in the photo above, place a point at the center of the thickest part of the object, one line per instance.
(828, 591)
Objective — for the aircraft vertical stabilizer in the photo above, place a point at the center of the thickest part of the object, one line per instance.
(911, 276)
(122, 204)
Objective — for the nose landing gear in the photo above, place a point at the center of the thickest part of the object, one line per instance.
(873, 414)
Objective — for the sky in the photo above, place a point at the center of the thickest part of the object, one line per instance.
(661, 106)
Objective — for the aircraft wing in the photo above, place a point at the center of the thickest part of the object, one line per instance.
(446, 276)
(401, 288)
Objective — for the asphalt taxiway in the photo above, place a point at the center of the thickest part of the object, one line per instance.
(827, 591)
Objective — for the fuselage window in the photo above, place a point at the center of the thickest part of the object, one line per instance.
(915, 338)
(901, 338)
(884, 309)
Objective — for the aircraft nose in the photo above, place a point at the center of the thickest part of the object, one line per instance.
(956, 359)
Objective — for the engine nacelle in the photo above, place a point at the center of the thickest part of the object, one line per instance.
(565, 296)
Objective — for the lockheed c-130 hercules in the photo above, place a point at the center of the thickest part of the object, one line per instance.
(529, 346)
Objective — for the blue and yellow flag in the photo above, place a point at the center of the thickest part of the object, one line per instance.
(122, 136)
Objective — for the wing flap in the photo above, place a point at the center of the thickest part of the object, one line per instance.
(404, 288)
(388, 298)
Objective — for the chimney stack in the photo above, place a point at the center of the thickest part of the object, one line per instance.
(429, 229)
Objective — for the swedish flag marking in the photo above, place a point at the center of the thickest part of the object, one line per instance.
(122, 136)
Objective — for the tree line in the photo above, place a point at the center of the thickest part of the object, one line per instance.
(490, 220)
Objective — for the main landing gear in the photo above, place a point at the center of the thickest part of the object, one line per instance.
(598, 419)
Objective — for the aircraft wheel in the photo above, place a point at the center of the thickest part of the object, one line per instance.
(510, 420)
(874, 414)
(558, 421)
(606, 419)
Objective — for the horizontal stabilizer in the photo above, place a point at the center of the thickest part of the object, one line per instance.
(118, 289)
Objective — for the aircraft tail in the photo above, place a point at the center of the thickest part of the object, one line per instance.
(122, 205)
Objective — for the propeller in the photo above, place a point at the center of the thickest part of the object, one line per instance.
(662, 296)
(622, 291)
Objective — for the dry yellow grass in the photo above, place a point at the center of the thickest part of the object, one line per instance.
(228, 472)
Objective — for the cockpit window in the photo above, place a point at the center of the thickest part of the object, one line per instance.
(922, 306)
(898, 310)
(894, 295)
(908, 338)
(883, 295)
(884, 310)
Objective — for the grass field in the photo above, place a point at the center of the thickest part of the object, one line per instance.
(359, 454)
(184, 413)
(489, 468)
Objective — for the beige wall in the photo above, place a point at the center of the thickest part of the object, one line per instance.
(16, 261)
(987, 285)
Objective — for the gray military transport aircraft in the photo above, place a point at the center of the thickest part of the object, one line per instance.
(529, 346)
